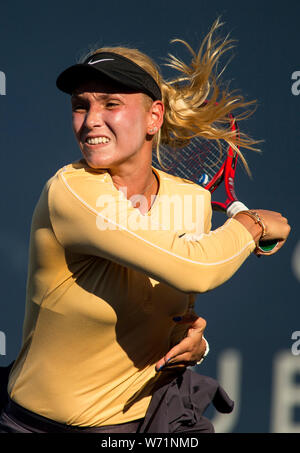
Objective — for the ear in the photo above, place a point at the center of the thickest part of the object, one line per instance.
(156, 117)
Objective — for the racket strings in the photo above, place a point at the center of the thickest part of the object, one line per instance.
(201, 158)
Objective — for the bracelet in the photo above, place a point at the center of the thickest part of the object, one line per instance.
(257, 219)
(205, 353)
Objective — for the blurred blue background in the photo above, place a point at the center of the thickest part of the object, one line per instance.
(250, 319)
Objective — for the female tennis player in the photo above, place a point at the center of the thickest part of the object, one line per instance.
(111, 270)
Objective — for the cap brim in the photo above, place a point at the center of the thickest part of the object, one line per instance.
(75, 75)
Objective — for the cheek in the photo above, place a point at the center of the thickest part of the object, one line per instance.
(133, 125)
(77, 122)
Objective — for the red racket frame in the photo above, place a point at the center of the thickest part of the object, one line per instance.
(226, 174)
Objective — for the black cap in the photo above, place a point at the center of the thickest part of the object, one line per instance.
(111, 65)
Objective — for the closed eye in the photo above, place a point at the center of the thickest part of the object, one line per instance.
(112, 104)
(78, 107)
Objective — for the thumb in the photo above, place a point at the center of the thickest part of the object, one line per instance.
(186, 318)
(191, 318)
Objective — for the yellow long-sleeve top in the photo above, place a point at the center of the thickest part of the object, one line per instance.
(104, 282)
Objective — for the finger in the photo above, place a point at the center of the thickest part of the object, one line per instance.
(182, 359)
(181, 349)
(185, 351)
(160, 364)
(165, 360)
(174, 352)
(196, 323)
(184, 346)
(178, 365)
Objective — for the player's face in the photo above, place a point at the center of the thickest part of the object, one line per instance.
(110, 126)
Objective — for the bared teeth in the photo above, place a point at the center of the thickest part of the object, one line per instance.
(97, 140)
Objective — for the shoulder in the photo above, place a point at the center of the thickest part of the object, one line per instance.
(76, 174)
(79, 181)
(76, 170)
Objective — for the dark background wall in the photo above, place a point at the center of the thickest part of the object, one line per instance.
(252, 318)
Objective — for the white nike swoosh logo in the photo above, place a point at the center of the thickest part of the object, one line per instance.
(103, 59)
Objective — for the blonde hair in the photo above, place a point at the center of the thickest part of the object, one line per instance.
(195, 103)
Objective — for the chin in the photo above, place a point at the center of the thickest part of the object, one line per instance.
(95, 165)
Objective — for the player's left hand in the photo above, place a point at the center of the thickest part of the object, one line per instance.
(190, 349)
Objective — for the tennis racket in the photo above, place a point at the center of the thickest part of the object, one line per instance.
(209, 163)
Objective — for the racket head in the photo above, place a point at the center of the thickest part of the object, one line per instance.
(206, 162)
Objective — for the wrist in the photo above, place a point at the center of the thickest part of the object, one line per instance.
(253, 222)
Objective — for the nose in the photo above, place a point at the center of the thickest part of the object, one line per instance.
(94, 117)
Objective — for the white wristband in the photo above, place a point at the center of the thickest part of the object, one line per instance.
(206, 351)
(235, 207)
